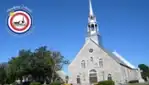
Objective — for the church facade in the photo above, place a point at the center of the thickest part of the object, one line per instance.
(94, 63)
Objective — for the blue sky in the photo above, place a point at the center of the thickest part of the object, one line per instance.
(61, 25)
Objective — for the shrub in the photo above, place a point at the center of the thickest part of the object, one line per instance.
(107, 82)
(133, 81)
(55, 83)
(35, 83)
(14, 83)
(26, 83)
(66, 84)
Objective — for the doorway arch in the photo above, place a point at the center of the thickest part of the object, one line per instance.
(93, 76)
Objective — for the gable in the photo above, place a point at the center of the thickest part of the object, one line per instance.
(84, 53)
(78, 53)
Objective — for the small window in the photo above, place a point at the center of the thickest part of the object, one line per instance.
(83, 63)
(109, 77)
(100, 63)
(96, 25)
(91, 59)
(92, 17)
(78, 79)
(92, 27)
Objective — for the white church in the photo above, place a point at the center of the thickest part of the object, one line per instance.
(94, 63)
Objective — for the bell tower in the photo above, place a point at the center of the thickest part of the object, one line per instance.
(92, 28)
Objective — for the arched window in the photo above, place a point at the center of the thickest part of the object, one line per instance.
(91, 59)
(95, 25)
(78, 79)
(93, 76)
(83, 63)
(92, 17)
(100, 63)
(92, 27)
(109, 77)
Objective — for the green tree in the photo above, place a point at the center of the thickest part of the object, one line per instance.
(58, 62)
(16, 66)
(145, 71)
(3, 76)
(53, 61)
(40, 64)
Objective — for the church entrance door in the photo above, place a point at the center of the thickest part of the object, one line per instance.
(93, 76)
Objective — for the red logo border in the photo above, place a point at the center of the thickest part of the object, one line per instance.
(25, 28)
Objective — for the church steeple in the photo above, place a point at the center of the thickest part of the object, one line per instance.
(92, 28)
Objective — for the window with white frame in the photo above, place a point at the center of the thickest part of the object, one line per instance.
(100, 62)
(83, 63)
(109, 77)
(78, 79)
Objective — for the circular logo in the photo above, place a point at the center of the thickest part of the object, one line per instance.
(19, 21)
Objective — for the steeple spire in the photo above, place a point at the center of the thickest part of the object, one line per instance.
(90, 8)
(92, 28)
(92, 17)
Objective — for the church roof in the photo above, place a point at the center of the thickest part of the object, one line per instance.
(117, 59)
(124, 60)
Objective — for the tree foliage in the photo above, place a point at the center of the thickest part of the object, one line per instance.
(3, 76)
(145, 71)
(39, 65)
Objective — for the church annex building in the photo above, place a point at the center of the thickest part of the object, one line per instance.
(94, 63)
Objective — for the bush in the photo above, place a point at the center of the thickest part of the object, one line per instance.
(55, 83)
(26, 83)
(107, 82)
(133, 81)
(14, 83)
(35, 83)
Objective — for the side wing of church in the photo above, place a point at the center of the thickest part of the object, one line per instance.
(93, 63)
